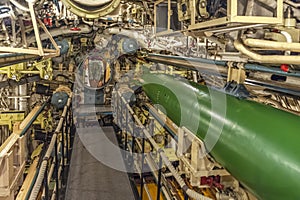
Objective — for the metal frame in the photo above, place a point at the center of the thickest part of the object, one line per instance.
(61, 143)
(12, 159)
(236, 74)
(47, 53)
(199, 165)
(135, 130)
(169, 30)
(9, 118)
(17, 71)
(233, 17)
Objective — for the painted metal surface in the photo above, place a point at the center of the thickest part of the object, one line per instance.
(258, 144)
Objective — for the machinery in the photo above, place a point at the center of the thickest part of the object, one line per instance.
(206, 92)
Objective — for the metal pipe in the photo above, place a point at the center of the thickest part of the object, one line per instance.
(16, 93)
(7, 55)
(291, 3)
(271, 59)
(222, 30)
(271, 70)
(90, 23)
(273, 45)
(64, 30)
(210, 65)
(289, 39)
(30, 119)
(249, 8)
(23, 99)
(20, 6)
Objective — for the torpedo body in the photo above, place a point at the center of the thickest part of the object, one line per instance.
(257, 144)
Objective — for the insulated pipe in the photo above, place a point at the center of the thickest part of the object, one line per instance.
(272, 45)
(271, 59)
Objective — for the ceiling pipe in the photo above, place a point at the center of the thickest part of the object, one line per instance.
(271, 59)
(272, 45)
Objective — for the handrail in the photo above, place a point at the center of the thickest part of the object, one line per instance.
(191, 193)
(43, 167)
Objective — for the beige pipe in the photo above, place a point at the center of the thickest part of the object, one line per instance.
(272, 45)
(296, 5)
(271, 59)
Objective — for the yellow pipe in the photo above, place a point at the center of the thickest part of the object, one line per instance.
(266, 44)
(271, 59)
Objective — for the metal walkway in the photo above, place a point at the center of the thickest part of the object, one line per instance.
(90, 179)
